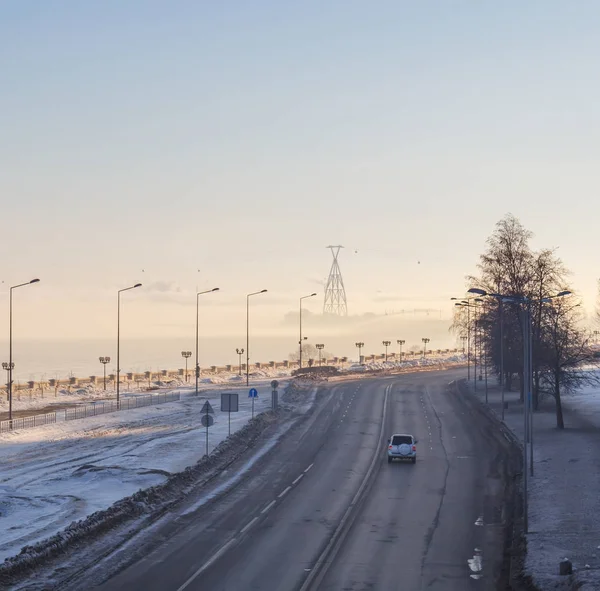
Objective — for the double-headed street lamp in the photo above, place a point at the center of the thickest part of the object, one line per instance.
(300, 341)
(320, 347)
(10, 366)
(525, 304)
(400, 342)
(119, 336)
(198, 294)
(186, 355)
(248, 333)
(104, 361)
(386, 344)
(425, 341)
(465, 304)
(360, 345)
(240, 352)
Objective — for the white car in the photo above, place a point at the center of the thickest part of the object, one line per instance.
(403, 447)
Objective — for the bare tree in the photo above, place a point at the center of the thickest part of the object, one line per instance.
(563, 353)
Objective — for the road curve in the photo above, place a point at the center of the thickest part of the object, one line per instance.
(433, 525)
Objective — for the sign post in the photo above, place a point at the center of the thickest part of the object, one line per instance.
(207, 420)
(274, 395)
(229, 404)
(253, 394)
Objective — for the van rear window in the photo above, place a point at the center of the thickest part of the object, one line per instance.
(400, 439)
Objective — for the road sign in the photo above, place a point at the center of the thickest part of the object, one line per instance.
(253, 393)
(207, 421)
(230, 402)
(207, 408)
(274, 400)
(274, 384)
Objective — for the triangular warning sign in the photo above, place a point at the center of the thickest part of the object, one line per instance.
(207, 409)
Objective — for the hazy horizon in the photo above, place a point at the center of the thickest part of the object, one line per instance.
(202, 145)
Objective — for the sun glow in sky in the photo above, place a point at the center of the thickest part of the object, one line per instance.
(197, 144)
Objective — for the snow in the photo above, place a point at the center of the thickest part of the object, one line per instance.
(564, 521)
(55, 474)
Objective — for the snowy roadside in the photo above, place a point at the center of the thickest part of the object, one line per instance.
(83, 475)
(28, 402)
(562, 494)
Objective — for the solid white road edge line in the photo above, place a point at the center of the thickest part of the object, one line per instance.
(212, 559)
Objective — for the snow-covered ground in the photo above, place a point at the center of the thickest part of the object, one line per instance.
(429, 361)
(564, 516)
(29, 401)
(56, 474)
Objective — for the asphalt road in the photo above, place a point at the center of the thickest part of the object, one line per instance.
(328, 486)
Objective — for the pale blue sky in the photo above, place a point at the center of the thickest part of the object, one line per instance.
(241, 138)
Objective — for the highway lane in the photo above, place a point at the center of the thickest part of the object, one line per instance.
(415, 529)
(191, 537)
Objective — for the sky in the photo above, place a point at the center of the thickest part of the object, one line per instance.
(189, 145)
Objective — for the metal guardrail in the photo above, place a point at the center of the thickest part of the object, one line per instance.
(28, 422)
(100, 408)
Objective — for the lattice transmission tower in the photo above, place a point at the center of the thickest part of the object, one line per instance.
(335, 294)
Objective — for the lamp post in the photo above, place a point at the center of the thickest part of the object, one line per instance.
(240, 352)
(248, 333)
(104, 361)
(119, 336)
(11, 365)
(386, 344)
(7, 367)
(425, 341)
(320, 347)
(465, 304)
(198, 294)
(186, 355)
(300, 341)
(525, 305)
(360, 345)
(400, 342)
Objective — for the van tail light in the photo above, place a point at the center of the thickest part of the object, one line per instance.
(389, 447)
(414, 448)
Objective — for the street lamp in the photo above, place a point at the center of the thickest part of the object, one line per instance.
(198, 294)
(386, 344)
(425, 341)
(7, 367)
(11, 365)
(360, 346)
(400, 342)
(240, 352)
(104, 361)
(186, 355)
(525, 304)
(320, 347)
(119, 335)
(248, 333)
(300, 341)
(465, 304)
